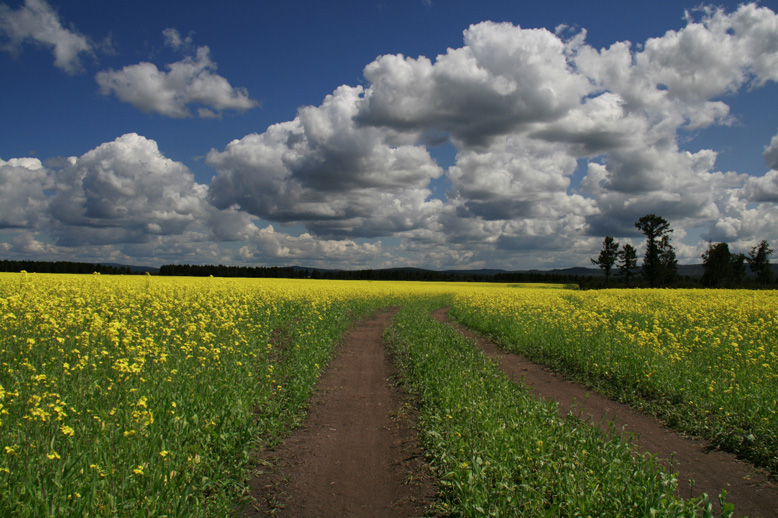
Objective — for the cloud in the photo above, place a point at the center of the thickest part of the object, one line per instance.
(268, 246)
(763, 188)
(530, 115)
(599, 125)
(771, 154)
(515, 178)
(124, 191)
(522, 107)
(682, 72)
(191, 82)
(124, 201)
(174, 40)
(679, 185)
(671, 84)
(23, 182)
(37, 22)
(504, 79)
(322, 170)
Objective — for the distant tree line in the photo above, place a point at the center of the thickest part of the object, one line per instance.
(389, 274)
(415, 274)
(11, 265)
(721, 268)
(205, 270)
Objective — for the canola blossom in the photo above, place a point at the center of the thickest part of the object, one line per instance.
(500, 451)
(705, 360)
(120, 395)
(145, 396)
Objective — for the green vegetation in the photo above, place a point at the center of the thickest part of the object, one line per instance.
(144, 396)
(499, 451)
(132, 396)
(704, 360)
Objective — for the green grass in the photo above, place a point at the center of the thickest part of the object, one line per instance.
(703, 360)
(130, 396)
(499, 451)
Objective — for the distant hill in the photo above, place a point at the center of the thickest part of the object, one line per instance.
(485, 272)
(684, 270)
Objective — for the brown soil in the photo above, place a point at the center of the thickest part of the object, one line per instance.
(747, 488)
(357, 454)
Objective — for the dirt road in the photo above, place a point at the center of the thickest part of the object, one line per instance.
(749, 489)
(357, 454)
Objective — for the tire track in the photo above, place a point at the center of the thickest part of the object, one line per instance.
(356, 455)
(747, 487)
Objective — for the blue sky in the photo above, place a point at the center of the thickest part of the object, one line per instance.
(500, 134)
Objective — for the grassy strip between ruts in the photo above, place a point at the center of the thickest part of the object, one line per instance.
(501, 452)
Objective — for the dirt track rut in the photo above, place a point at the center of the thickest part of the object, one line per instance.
(356, 455)
(748, 488)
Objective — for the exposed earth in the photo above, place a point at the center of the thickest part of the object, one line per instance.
(357, 454)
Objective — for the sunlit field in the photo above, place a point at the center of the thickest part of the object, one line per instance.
(124, 394)
(146, 396)
(706, 360)
(500, 451)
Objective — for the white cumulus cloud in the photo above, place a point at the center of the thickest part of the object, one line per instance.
(124, 190)
(322, 170)
(557, 144)
(771, 154)
(191, 82)
(523, 107)
(23, 182)
(37, 22)
(503, 79)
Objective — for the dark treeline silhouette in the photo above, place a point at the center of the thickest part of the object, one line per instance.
(13, 265)
(626, 273)
(414, 274)
(205, 270)
(721, 268)
(389, 274)
(291, 272)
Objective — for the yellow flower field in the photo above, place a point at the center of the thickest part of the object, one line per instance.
(707, 360)
(141, 395)
(115, 391)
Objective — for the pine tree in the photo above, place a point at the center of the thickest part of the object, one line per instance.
(658, 262)
(607, 257)
(759, 262)
(627, 262)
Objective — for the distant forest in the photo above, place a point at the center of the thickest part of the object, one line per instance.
(389, 274)
(62, 267)
(585, 278)
(292, 272)
(205, 270)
